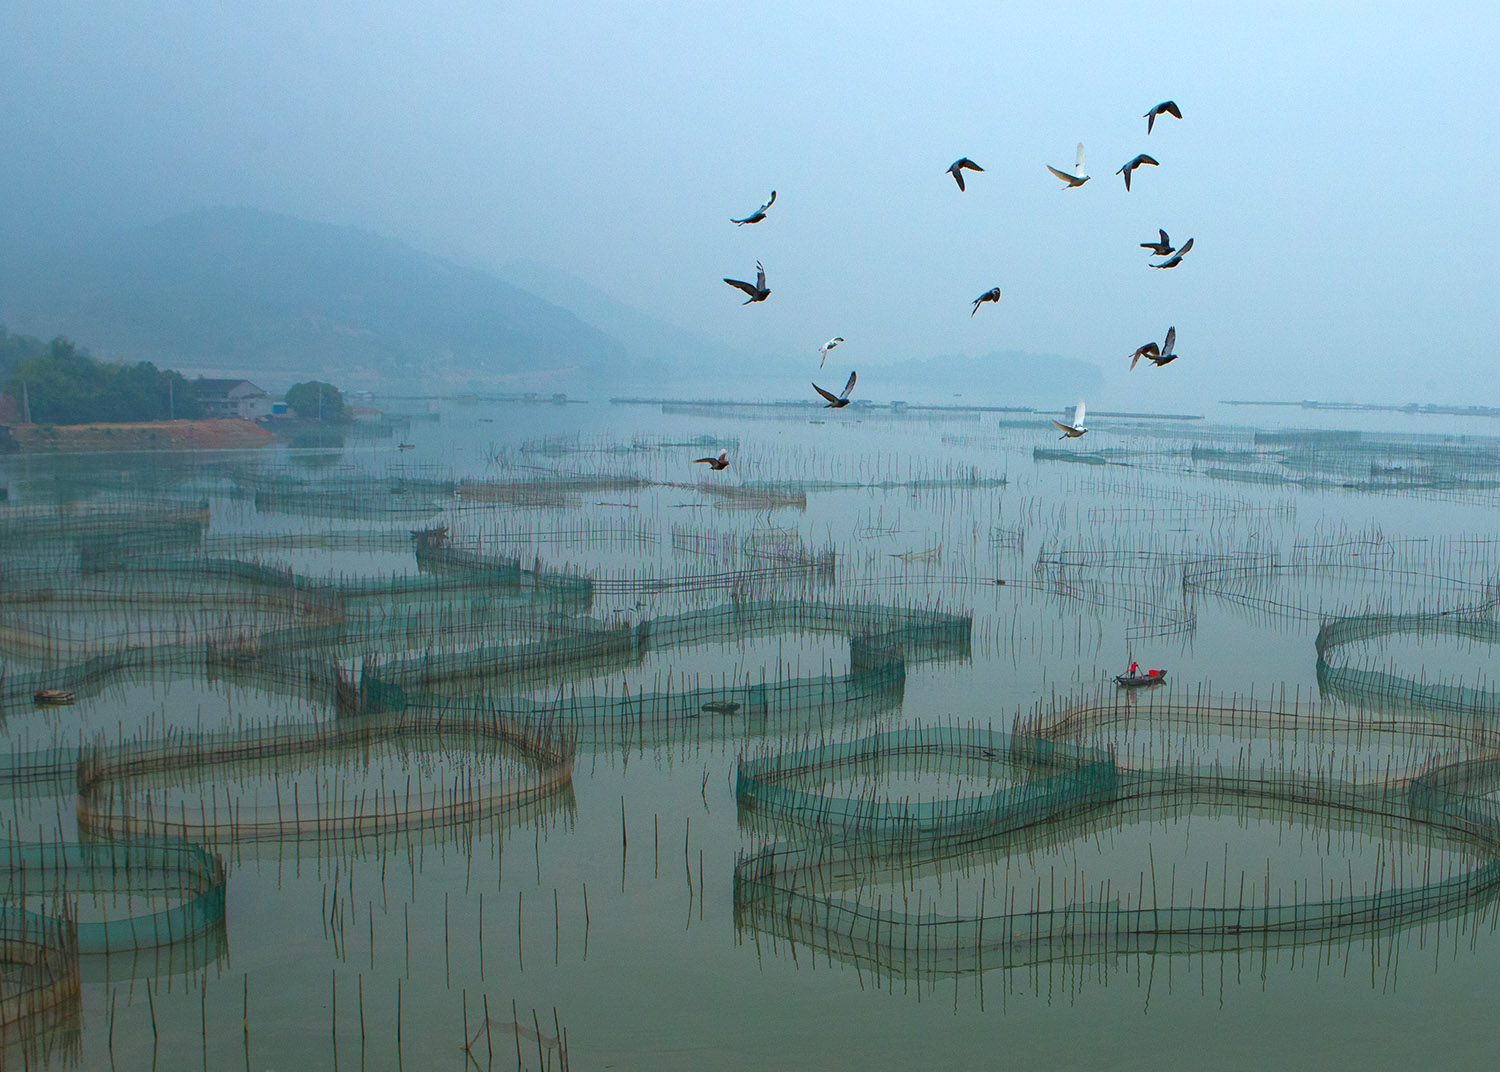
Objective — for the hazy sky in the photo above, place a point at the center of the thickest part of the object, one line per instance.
(1337, 166)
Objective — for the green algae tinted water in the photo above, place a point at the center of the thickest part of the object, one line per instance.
(598, 923)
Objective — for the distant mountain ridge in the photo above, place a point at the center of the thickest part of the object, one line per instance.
(655, 348)
(258, 293)
(242, 292)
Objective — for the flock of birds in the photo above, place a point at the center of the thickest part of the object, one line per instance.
(1171, 257)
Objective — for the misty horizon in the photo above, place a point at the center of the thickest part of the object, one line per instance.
(1326, 166)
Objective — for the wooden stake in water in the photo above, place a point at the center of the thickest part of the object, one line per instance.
(515, 1016)
(333, 1017)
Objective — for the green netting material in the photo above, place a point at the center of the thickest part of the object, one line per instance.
(107, 805)
(41, 954)
(793, 889)
(882, 640)
(1061, 779)
(177, 871)
(1387, 691)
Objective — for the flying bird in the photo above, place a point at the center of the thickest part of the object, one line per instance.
(720, 462)
(1157, 355)
(759, 214)
(1131, 165)
(759, 291)
(1166, 107)
(1078, 178)
(840, 400)
(1076, 429)
(993, 294)
(823, 350)
(1175, 259)
(956, 169)
(1159, 249)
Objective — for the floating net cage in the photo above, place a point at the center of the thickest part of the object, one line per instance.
(1162, 586)
(451, 650)
(24, 526)
(115, 797)
(174, 897)
(1391, 691)
(842, 876)
(882, 641)
(39, 975)
(189, 878)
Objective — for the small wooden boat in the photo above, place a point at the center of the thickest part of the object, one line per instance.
(52, 696)
(1135, 681)
(721, 707)
(406, 446)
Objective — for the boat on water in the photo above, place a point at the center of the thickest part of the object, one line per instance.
(1135, 681)
(52, 696)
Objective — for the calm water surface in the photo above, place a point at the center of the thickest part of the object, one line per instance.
(608, 912)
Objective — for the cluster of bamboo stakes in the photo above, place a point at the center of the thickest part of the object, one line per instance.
(817, 888)
(277, 617)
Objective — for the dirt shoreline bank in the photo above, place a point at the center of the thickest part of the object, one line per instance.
(219, 433)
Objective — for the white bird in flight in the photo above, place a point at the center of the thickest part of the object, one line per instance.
(823, 350)
(1076, 429)
(1078, 178)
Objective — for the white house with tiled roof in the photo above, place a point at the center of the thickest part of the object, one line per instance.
(231, 398)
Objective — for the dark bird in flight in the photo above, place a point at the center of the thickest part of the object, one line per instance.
(1159, 249)
(1175, 259)
(759, 214)
(840, 400)
(1078, 178)
(758, 291)
(956, 169)
(1131, 165)
(1166, 107)
(993, 294)
(829, 345)
(721, 462)
(1157, 355)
